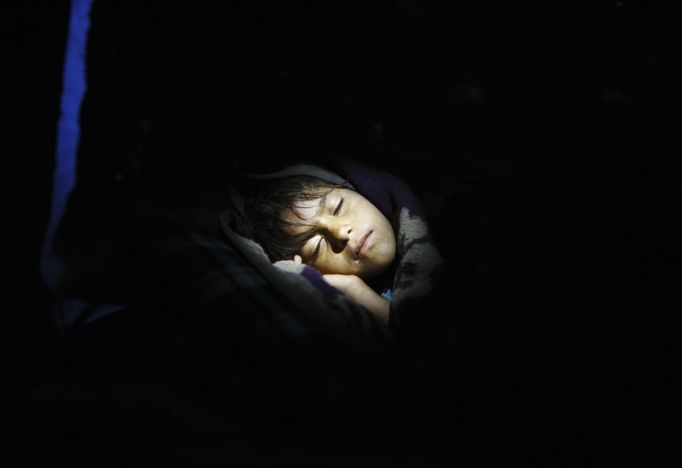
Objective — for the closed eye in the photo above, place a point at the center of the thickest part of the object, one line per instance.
(338, 208)
(317, 249)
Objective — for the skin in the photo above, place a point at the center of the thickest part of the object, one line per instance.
(352, 241)
(342, 219)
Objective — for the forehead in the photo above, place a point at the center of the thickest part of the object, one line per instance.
(303, 213)
(305, 210)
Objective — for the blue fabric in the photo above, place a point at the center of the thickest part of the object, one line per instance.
(74, 86)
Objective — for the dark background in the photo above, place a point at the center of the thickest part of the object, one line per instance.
(542, 143)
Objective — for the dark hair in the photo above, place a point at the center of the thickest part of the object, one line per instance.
(264, 208)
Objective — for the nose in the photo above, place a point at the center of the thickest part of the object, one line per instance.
(338, 233)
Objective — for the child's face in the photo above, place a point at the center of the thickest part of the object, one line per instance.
(352, 236)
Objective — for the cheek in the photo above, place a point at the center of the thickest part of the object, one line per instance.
(387, 243)
(344, 265)
(348, 266)
(335, 264)
(385, 251)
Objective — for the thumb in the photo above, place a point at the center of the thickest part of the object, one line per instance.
(298, 259)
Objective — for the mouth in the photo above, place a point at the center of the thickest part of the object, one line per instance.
(362, 243)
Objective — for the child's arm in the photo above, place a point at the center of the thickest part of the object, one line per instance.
(355, 288)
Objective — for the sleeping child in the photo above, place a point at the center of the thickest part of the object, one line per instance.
(361, 230)
(329, 227)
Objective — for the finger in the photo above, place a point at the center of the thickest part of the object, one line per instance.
(298, 259)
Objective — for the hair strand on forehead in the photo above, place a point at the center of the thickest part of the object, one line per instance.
(264, 211)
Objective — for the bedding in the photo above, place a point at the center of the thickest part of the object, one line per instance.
(418, 264)
(223, 349)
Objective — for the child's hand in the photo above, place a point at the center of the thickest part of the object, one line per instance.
(347, 284)
(355, 288)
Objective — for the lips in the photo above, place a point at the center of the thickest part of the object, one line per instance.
(361, 243)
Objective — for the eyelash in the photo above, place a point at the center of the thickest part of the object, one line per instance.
(338, 208)
(317, 248)
(319, 243)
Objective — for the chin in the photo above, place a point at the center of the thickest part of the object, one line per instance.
(373, 270)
